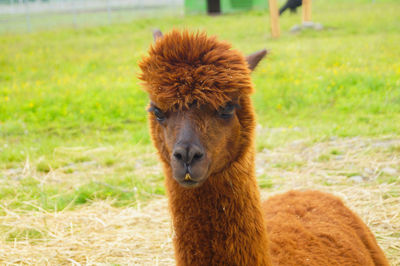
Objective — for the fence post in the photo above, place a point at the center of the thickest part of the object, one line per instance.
(27, 16)
(274, 16)
(306, 11)
(74, 14)
(12, 7)
(109, 12)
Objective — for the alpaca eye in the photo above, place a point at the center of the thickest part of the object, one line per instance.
(227, 111)
(160, 116)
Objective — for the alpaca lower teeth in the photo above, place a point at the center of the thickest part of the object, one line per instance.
(188, 177)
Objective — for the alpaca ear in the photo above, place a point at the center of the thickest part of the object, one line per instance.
(157, 34)
(255, 58)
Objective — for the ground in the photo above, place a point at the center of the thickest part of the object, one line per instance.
(80, 181)
(355, 169)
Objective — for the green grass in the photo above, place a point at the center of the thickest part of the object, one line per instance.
(65, 93)
(20, 234)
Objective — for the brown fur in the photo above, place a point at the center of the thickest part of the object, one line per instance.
(177, 75)
(222, 221)
(315, 228)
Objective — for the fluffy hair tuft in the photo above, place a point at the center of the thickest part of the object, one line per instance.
(184, 68)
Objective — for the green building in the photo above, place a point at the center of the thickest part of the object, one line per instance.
(222, 6)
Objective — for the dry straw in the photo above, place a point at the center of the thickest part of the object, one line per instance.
(354, 169)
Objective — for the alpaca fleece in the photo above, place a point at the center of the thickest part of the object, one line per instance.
(222, 222)
(183, 68)
(315, 228)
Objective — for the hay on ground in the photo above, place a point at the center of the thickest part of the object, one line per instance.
(100, 233)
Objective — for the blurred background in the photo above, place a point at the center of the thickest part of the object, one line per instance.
(25, 15)
(80, 182)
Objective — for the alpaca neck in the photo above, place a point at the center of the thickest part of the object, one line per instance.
(221, 221)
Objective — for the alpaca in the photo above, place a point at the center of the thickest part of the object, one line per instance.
(202, 124)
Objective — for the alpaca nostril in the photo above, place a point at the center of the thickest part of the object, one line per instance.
(197, 156)
(178, 156)
(188, 153)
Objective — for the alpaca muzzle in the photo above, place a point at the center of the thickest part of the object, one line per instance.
(189, 165)
(189, 160)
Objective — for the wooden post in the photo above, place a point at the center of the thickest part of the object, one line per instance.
(306, 11)
(273, 13)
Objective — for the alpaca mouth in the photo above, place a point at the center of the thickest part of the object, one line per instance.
(189, 183)
(190, 176)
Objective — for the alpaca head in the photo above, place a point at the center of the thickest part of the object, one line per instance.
(200, 113)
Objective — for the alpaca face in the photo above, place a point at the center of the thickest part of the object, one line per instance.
(197, 141)
(201, 117)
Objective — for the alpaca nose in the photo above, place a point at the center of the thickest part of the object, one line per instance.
(188, 153)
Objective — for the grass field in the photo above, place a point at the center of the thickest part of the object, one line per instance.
(73, 131)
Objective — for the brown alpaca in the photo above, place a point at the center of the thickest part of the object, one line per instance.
(202, 124)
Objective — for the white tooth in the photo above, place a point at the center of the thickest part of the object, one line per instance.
(187, 176)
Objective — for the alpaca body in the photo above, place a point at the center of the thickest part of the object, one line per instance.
(202, 123)
(211, 223)
(212, 226)
(315, 228)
